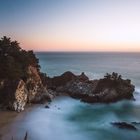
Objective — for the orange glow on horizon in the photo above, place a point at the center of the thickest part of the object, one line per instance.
(39, 45)
(73, 25)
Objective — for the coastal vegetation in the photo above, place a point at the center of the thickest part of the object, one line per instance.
(14, 61)
(113, 76)
(20, 80)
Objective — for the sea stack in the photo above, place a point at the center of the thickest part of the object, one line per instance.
(109, 89)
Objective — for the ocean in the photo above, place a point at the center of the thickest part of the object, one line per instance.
(68, 118)
(95, 65)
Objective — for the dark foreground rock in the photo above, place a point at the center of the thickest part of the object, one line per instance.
(47, 106)
(135, 123)
(124, 125)
(109, 89)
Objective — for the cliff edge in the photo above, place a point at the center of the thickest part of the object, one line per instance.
(20, 80)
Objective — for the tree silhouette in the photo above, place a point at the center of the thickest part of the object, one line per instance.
(14, 61)
(113, 76)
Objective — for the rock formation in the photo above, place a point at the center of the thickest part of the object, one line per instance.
(109, 89)
(34, 85)
(20, 96)
(20, 80)
(14, 94)
(124, 125)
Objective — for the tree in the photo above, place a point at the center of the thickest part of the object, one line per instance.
(14, 61)
(107, 76)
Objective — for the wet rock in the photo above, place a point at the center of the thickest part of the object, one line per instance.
(124, 125)
(47, 106)
(135, 123)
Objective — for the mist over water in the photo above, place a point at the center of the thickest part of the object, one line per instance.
(67, 118)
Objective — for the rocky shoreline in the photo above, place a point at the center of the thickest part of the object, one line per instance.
(21, 82)
(106, 90)
(111, 88)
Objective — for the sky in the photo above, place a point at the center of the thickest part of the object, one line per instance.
(72, 25)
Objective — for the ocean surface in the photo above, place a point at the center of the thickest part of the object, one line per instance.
(70, 119)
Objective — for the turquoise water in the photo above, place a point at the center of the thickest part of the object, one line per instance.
(68, 119)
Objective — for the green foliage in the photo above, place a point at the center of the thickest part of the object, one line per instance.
(14, 61)
(113, 76)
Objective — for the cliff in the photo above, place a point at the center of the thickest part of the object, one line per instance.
(20, 80)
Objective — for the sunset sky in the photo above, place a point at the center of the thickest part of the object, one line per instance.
(72, 25)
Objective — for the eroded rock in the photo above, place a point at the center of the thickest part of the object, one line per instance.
(109, 89)
(16, 93)
(20, 97)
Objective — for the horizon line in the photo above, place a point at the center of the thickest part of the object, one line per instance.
(87, 51)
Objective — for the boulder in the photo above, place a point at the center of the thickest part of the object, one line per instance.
(135, 123)
(47, 106)
(124, 125)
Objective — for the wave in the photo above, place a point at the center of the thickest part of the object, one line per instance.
(137, 90)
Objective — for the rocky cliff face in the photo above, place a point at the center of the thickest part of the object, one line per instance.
(18, 92)
(13, 94)
(19, 82)
(37, 91)
(33, 83)
(20, 99)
